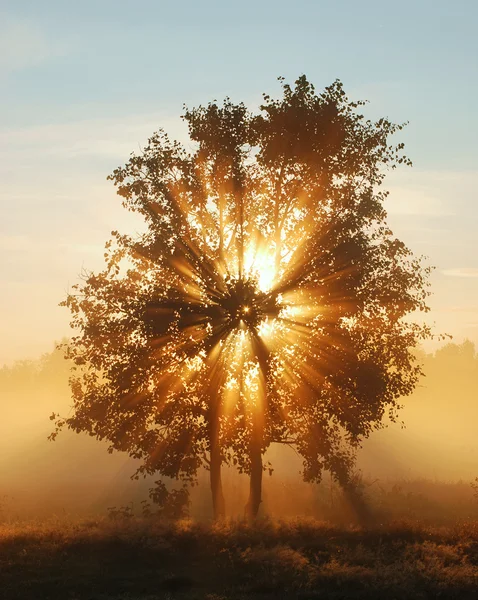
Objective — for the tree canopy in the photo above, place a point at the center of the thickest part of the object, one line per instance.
(266, 301)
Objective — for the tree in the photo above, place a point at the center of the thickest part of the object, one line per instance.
(266, 300)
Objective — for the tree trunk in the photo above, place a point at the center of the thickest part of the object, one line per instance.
(255, 490)
(218, 503)
(257, 441)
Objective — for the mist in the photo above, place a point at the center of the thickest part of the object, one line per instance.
(430, 455)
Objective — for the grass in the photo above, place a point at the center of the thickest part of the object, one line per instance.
(303, 559)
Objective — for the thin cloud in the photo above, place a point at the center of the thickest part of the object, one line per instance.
(416, 201)
(23, 44)
(430, 193)
(461, 272)
(114, 137)
(460, 309)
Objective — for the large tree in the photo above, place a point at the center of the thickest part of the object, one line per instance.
(266, 301)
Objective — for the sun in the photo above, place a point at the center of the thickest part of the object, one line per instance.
(260, 264)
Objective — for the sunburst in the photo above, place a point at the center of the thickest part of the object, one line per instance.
(265, 301)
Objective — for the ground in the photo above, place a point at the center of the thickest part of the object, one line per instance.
(303, 559)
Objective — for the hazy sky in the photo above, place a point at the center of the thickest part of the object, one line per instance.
(83, 84)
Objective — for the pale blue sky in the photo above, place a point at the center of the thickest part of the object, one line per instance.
(83, 84)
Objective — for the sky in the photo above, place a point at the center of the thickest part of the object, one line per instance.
(84, 84)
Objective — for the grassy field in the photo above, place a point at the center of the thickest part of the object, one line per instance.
(304, 559)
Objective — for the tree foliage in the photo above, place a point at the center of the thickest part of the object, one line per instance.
(266, 301)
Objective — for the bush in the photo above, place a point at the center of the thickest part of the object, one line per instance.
(172, 505)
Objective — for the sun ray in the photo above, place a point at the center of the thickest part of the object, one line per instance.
(255, 307)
